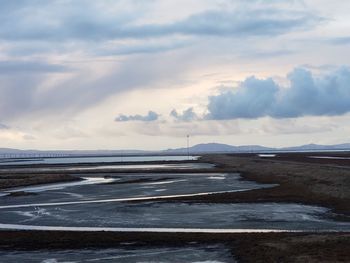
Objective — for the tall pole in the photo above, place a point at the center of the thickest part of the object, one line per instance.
(188, 146)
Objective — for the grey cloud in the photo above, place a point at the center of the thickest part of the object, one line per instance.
(58, 21)
(16, 66)
(340, 40)
(244, 22)
(18, 94)
(324, 67)
(251, 100)
(144, 48)
(4, 127)
(151, 116)
(307, 95)
(265, 54)
(21, 86)
(29, 95)
(186, 115)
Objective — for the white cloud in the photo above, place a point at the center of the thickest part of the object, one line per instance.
(306, 95)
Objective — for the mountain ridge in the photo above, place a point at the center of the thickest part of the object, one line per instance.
(198, 148)
(217, 147)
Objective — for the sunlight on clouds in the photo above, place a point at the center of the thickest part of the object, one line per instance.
(68, 72)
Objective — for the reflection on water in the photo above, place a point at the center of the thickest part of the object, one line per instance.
(127, 203)
(60, 186)
(110, 167)
(265, 155)
(98, 159)
(122, 187)
(128, 199)
(172, 217)
(143, 166)
(125, 254)
(330, 157)
(145, 230)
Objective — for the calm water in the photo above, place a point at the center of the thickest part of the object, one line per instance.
(102, 202)
(163, 217)
(330, 157)
(74, 160)
(101, 188)
(125, 254)
(103, 168)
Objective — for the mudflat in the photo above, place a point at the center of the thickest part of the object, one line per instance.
(309, 183)
(16, 180)
(298, 179)
(253, 247)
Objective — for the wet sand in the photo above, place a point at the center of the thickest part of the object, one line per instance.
(271, 247)
(301, 182)
(325, 158)
(323, 182)
(15, 180)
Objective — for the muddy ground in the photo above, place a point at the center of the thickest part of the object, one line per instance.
(300, 179)
(302, 182)
(271, 247)
(16, 180)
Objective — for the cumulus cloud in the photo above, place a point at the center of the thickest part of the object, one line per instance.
(186, 115)
(307, 95)
(151, 116)
(251, 100)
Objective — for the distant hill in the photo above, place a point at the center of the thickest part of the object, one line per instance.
(218, 147)
(9, 151)
(318, 147)
(195, 149)
(221, 148)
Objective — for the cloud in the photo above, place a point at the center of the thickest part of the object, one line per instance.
(307, 95)
(66, 33)
(28, 137)
(4, 127)
(244, 22)
(185, 116)
(251, 100)
(265, 54)
(151, 116)
(45, 95)
(143, 48)
(66, 21)
(340, 40)
(15, 67)
(182, 129)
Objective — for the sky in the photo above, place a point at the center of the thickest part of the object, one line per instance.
(144, 74)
